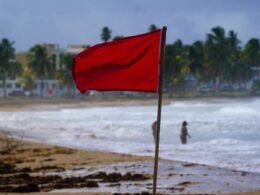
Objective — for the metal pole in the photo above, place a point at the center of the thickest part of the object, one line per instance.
(161, 63)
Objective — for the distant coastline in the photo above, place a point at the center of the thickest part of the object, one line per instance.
(21, 103)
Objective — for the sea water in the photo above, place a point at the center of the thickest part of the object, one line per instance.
(224, 133)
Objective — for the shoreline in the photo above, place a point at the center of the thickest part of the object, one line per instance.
(25, 104)
(44, 159)
(44, 150)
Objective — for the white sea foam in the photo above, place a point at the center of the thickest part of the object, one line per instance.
(224, 133)
(238, 110)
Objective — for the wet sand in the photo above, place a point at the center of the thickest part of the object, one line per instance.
(70, 171)
(107, 193)
(33, 162)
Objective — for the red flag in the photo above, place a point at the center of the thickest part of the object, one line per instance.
(130, 64)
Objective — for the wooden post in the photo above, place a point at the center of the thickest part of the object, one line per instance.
(160, 89)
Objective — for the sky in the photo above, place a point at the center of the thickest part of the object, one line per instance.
(64, 22)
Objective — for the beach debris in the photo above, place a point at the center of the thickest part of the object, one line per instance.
(189, 164)
(180, 189)
(9, 142)
(75, 182)
(136, 176)
(24, 182)
(142, 193)
(186, 183)
(116, 177)
(243, 173)
(21, 180)
(24, 188)
(92, 184)
(6, 168)
(114, 185)
(44, 168)
(112, 177)
(77, 168)
(26, 169)
(171, 174)
(48, 160)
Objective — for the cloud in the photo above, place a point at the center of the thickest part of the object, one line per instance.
(29, 22)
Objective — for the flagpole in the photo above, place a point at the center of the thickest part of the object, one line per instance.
(161, 64)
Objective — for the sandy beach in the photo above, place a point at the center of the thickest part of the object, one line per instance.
(25, 158)
(17, 104)
(38, 168)
(30, 163)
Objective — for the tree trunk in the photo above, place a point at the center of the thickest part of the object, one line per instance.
(217, 83)
(4, 85)
(69, 91)
(42, 86)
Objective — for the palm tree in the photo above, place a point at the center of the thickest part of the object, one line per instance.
(179, 56)
(250, 56)
(152, 28)
(176, 65)
(216, 53)
(106, 34)
(65, 75)
(235, 70)
(8, 66)
(118, 37)
(233, 41)
(39, 63)
(196, 56)
(28, 82)
(251, 53)
(173, 58)
(15, 69)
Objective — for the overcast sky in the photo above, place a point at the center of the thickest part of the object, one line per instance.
(28, 22)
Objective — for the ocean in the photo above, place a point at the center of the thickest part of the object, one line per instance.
(224, 132)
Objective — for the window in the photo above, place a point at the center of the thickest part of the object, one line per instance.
(8, 85)
(53, 86)
(17, 85)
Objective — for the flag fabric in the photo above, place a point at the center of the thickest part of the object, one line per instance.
(127, 64)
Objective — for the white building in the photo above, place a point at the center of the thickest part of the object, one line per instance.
(11, 85)
(50, 88)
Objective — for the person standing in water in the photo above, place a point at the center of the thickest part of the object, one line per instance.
(184, 133)
(154, 127)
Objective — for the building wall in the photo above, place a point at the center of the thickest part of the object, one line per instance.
(54, 52)
(50, 88)
(11, 85)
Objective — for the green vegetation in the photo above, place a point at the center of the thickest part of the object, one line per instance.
(28, 81)
(152, 28)
(39, 63)
(106, 34)
(9, 68)
(219, 59)
(64, 76)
